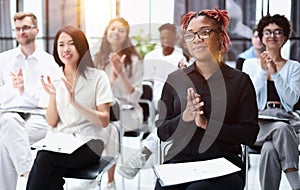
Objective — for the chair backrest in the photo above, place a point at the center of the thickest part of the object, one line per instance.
(147, 90)
(148, 111)
(163, 150)
(116, 122)
(146, 99)
(115, 111)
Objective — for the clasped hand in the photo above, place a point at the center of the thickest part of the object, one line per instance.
(267, 62)
(194, 109)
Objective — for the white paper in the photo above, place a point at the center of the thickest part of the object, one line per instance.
(59, 142)
(172, 174)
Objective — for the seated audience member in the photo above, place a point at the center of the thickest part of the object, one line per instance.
(160, 62)
(277, 85)
(73, 109)
(157, 65)
(253, 51)
(123, 65)
(22, 100)
(209, 109)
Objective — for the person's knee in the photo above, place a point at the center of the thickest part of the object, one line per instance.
(36, 135)
(11, 124)
(43, 157)
(268, 149)
(283, 128)
(7, 118)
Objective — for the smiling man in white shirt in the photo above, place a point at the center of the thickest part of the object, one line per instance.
(22, 100)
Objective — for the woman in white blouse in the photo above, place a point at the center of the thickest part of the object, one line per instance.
(79, 104)
(122, 63)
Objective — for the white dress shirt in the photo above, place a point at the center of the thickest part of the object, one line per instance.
(33, 66)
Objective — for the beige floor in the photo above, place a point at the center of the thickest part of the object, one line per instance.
(145, 180)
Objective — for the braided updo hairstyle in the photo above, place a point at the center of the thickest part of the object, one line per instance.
(220, 17)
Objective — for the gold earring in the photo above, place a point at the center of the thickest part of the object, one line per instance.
(220, 57)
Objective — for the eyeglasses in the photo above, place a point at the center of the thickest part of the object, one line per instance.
(24, 28)
(202, 34)
(268, 33)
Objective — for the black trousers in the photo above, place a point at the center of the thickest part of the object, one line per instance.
(49, 167)
(233, 181)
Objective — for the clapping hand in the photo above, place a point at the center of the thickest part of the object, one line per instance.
(17, 81)
(48, 87)
(194, 109)
(117, 62)
(70, 91)
(267, 62)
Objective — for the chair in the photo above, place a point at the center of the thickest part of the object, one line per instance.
(163, 150)
(148, 112)
(97, 170)
(148, 108)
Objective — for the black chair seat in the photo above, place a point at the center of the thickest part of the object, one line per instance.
(254, 149)
(132, 133)
(90, 172)
(136, 134)
(257, 149)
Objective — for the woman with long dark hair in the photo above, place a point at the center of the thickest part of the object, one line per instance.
(122, 63)
(79, 105)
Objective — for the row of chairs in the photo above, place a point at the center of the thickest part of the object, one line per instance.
(146, 102)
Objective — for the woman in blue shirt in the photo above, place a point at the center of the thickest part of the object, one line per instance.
(277, 84)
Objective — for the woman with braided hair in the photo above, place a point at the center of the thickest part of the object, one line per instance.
(207, 109)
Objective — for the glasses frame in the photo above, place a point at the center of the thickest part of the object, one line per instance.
(276, 32)
(200, 34)
(25, 28)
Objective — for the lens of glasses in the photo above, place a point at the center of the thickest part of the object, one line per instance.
(266, 33)
(277, 32)
(189, 36)
(204, 33)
